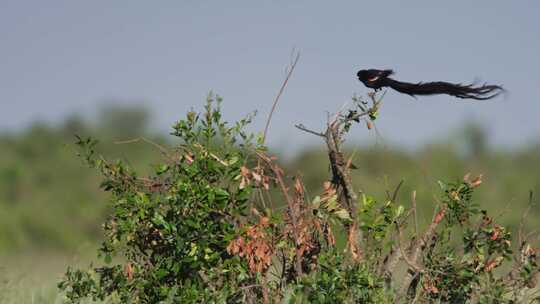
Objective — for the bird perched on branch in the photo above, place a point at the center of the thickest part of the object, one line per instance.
(377, 79)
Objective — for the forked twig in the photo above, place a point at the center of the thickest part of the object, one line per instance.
(301, 127)
(416, 251)
(412, 264)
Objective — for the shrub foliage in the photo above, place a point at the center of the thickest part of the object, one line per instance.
(220, 222)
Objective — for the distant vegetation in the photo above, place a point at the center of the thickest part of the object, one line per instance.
(48, 200)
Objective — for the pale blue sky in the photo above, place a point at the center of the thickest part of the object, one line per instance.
(59, 57)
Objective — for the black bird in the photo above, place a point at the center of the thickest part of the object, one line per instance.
(377, 79)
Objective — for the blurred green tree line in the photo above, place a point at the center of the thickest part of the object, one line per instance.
(50, 200)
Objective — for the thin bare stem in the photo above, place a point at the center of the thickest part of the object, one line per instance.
(416, 252)
(413, 199)
(276, 100)
(301, 127)
(396, 191)
(412, 264)
(161, 148)
(523, 218)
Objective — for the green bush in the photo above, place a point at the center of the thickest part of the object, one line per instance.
(219, 221)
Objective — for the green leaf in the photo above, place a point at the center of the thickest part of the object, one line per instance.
(260, 138)
(193, 250)
(331, 203)
(442, 185)
(161, 273)
(162, 169)
(368, 201)
(233, 160)
(316, 202)
(221, 193)
(343, 214)
(399, 211)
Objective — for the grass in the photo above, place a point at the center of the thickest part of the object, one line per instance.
(32, 277)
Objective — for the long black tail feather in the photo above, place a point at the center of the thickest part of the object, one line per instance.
(377, 79)
(469, 91)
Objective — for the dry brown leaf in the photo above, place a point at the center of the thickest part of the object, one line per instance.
(369, 125)
(439, 216)
(257, 177)
(298, 187)
(128, 271)
(496, 232)
(477, 181)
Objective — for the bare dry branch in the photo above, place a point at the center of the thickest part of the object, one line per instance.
(301, 127)
(416, 252)
(290, 203)
(276, 100)
(161, 148)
